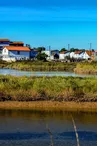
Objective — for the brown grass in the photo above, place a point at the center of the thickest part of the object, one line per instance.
(50, 106)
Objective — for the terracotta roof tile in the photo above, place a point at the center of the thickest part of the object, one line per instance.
(12, 48)
(89, 52)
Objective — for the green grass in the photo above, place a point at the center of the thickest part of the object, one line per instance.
(47, 88)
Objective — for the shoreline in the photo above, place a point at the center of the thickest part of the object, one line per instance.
(50, 106)
(38, 66)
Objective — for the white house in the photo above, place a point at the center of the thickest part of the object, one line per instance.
(52, 54)
(87, 54)
(48, 53)
(79, 54)
(64, 54)
(13, 53)
(3, 42)
(72, 54)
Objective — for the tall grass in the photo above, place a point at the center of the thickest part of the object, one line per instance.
(38, 66)
(47, 88)
(86, 68)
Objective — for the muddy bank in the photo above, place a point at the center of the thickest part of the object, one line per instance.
(49, 106)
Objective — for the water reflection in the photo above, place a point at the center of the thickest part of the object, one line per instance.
(29, 128)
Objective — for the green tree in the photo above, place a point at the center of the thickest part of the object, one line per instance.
(74, 49)
(63, 49)
(42, 56)
(39, 49)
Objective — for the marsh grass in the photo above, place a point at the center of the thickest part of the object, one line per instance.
(38, 66)
(47, 88)
(86, 68)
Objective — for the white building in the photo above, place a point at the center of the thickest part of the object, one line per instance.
(81, 54)
(13, 53)
(48, 53)
(87, 54)
(77, 54)
(52, 54)
(72, 54)
(64, 54)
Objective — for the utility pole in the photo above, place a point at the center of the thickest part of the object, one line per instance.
(49, 48)
(49, 52)
(90, 46)
(68, 47)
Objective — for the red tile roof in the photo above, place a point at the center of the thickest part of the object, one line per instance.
(89, 52)
(12, 48)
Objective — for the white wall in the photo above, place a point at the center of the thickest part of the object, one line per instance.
(9, 59)
(47, 53)
(86, 56)
(63, 56)
(72, 54)
(77, 56)
(4, 51)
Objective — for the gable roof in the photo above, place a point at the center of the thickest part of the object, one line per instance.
(78, 52)
(64, 52)
(4, 40)
(89, 52)
(16, 48)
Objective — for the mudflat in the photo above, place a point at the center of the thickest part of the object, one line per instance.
(50, 106)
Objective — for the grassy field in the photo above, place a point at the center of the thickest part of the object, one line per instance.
(86, 68)
(38, 66)
(48, 89)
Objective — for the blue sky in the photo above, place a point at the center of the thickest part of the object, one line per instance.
(50, 22)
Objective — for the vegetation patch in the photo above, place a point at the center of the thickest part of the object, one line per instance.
(48, 89)
(39, 66)
(86, 68)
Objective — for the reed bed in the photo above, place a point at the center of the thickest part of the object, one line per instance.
(38, 66)
(86, 68)
(48, 89)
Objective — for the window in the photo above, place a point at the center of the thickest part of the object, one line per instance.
(18, 52)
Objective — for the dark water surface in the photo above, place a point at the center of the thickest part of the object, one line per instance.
(29, 128)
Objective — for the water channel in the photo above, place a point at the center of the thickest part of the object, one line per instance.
(41, 73)
(29, 128)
